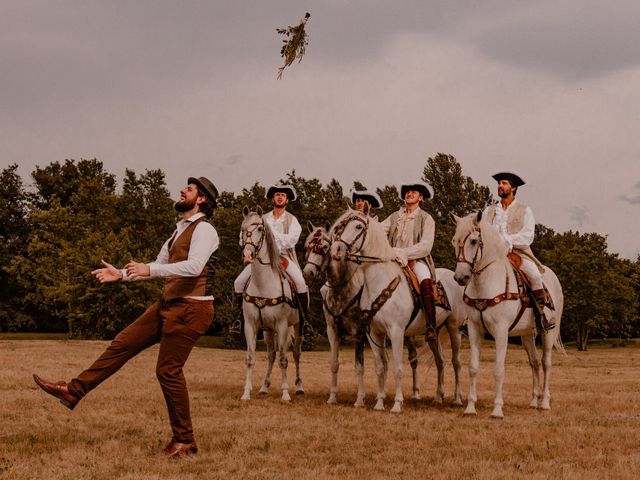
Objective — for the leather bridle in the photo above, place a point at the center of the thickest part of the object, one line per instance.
(247, 238)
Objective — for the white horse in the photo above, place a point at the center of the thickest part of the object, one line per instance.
(340, 306)
(494, 304)
(267, 303)
(387, 303)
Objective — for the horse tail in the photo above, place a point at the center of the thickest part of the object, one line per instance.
(291, 336)
(557, 343)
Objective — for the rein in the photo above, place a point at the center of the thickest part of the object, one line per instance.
(481, 304)
(353, 256)
(248, 240)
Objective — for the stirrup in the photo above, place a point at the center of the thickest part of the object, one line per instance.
(236, 327)
(431, 335)
(307, 330)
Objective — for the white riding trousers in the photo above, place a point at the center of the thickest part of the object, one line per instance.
(531, 271)
(422, 271)
(293, 270)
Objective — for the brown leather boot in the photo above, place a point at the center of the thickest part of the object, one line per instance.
(429, 308)
(542, 323)
(304, 326)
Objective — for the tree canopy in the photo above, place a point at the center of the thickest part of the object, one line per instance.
(54, 234)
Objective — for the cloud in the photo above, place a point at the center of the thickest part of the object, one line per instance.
(579, 216)
(634, 197)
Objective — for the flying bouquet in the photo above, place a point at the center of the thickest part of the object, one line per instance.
(295, 43)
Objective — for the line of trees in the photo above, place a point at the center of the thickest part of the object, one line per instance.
(53, 234)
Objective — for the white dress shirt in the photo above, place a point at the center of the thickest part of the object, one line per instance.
(204, 242)
(285, 241)
(521, 239)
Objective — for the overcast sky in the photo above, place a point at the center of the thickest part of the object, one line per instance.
(547, 89)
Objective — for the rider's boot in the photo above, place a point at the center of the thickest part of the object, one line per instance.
(304, 327)
(429, 308)
(236, 326)
(542, 323)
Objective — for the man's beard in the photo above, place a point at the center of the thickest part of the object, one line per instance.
(184, 205)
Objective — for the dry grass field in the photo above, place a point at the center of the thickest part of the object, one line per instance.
(592, 431)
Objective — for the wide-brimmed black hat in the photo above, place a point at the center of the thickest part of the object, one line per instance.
(371, 197)
(423, 188)
(513, 179)
(206, 187)
(288, 189)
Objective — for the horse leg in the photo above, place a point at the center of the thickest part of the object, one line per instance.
(438, 357)
(501, 341)
(413, 361)
(297, 352)
(397, 351)
(548, 339)
(475, 342)
(271, 358)
(379, 355)
(456, 339)
(283, 329)
(359, 364)
(529, 344)
(334, 344)
(250, 335)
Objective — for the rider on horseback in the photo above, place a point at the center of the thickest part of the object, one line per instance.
(411, 233)
(286, 230)
(516, 225)
(360, 198)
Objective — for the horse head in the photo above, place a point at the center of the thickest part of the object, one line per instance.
(251, 234)
(316, 251)
(477, 244)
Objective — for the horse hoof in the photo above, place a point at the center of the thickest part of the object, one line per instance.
(332, 401)
(300, 392)
(470, 412)
(416, 396)
(456, 403)
(263, 392)
(359, 404)
(286, 398)
(245, 398)
(379, 407)
(497, 414)
(545, 407)
(396, 409)
(533, 405)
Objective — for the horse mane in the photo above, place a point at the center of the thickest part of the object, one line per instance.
(491, 239)
(269, 241)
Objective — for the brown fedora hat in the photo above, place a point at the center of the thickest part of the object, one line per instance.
(206, 187)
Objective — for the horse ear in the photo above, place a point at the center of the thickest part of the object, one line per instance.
(349, 209)
(455, 218)
(310, 226)
(245, 211)
(478, 218)
(327, 226)
(259, 210)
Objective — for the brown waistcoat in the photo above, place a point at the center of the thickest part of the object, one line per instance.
(199, 286)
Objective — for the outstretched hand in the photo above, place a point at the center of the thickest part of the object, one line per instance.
(107, 274)
(137, 269)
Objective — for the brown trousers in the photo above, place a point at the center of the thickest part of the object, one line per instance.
(176, 325)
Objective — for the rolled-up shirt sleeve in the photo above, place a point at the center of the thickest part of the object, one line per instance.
(204, 242)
